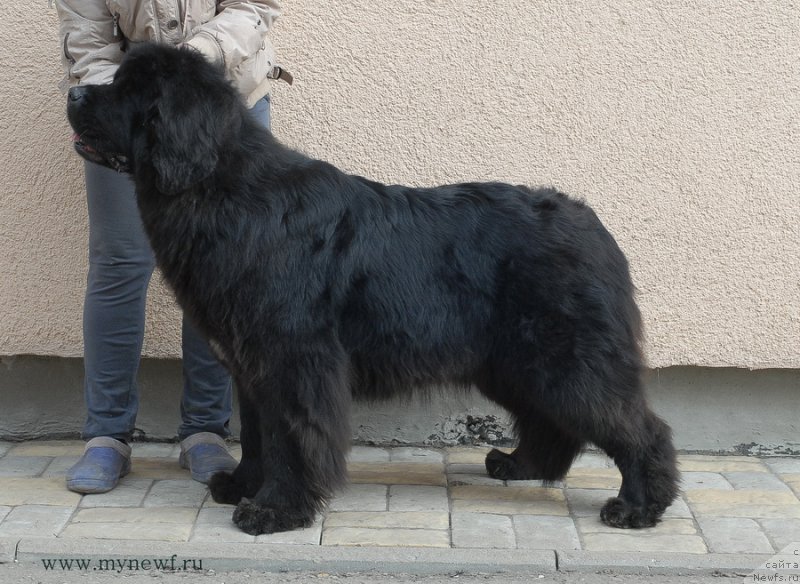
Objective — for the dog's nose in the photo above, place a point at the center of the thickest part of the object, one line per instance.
(77, 93)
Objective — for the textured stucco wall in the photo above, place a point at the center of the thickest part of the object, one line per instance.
(677, 121)
(709, 409)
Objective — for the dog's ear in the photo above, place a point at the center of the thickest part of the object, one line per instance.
(182, 143)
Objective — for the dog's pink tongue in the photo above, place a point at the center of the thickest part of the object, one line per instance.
(77, 139)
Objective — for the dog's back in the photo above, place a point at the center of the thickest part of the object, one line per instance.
(440, 277)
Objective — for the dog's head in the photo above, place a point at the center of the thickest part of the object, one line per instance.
(164, 118)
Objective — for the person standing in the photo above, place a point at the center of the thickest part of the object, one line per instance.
(94, 37)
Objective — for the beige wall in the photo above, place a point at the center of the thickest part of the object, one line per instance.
(678, 121)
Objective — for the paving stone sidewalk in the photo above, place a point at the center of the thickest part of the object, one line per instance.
(413, 498)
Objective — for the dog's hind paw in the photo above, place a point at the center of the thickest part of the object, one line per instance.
(505, 467)
(256, 519)
(619, 513)
(224, 488)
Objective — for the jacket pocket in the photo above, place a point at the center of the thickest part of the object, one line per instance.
(125, 20)
(80, 38)
(67, 53)
(72, 30)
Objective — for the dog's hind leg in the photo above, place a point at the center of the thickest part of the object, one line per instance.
(305, 433)
(248, 477)
(611, 411)
(602, 400)
(642, 448)
(544, 452)
(598, 399)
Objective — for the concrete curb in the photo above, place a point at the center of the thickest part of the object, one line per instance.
(661, 563)
(128, 556)
(8, 549)
(223, 557)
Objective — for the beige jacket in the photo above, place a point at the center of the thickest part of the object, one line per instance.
(95, 33)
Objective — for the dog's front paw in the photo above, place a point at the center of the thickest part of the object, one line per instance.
(224, 488)
(619, 513)
(256, 519)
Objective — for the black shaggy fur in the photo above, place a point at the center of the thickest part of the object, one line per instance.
(317, 287)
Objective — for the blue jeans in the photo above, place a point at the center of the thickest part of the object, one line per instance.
(120, 266)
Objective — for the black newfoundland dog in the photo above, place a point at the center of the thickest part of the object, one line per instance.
(316, 287)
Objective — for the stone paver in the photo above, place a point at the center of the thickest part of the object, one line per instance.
(633, 542)
(49, 448)
(593, 460)
(307, 536)
(361, 498)
(358, 536)
(154, 515)
(482, 530)
(734, 535)
(36, 491)
(469, 474)
(417, 498)
(59, 465)
(157, 468)
(176, 493)
(793, 480)
(748, 504)
(755, 480)
(701, 463)
(691, 481)
(216, 525)
(679, 535)
(508, 500)
(545, 533)
(391, 520)
(467, 468)
(783, 466)
(589, 525)
(137, 523)
(782, 532)
(128, 493)
(461, 479)
(594, 478)
(425, 455)
(588, 502)
(408, 497)
(678, 509)
(38, 520)
(23, 466)
(155, 450)
(367, 454)
(398, 473)
(129, 531)
(538, 484)
(469, 455)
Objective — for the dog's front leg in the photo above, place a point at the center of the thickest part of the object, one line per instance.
(247, 478)
(303, 407)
